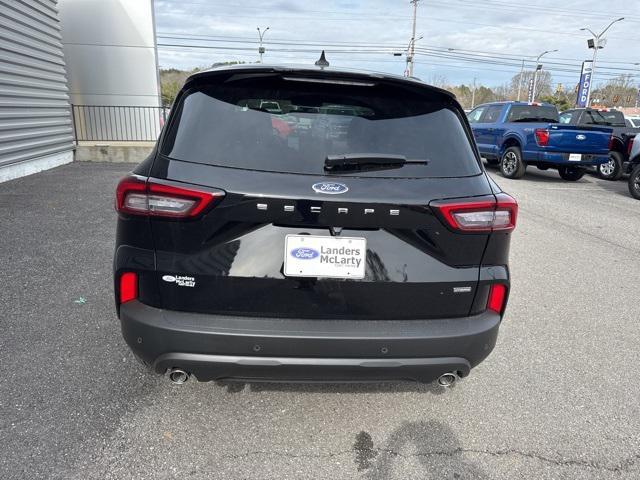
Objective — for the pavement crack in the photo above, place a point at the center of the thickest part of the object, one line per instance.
(546, 222)
(621, 467)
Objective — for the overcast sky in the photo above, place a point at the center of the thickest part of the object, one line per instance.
(496, 34)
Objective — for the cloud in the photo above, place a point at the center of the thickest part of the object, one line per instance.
(517, 29)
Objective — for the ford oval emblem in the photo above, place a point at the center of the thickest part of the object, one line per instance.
(169, 278)
(304, 253)
(581, 137)
(330, 188)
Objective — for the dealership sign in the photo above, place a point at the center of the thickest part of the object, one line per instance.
(585, 84)
(530, 92)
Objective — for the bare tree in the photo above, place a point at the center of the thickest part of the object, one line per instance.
(617, 92)
(543, 84)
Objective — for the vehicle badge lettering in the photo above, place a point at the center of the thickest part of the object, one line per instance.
(180, 280)
(304, 253)
(581, 137)
(330, 188)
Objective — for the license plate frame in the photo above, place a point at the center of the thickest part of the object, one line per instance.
(319, 256)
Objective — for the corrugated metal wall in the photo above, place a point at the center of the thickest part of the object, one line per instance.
(35, 115)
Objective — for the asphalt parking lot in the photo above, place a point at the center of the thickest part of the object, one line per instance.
(558, 398)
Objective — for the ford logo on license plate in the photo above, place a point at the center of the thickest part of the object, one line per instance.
(330, 188)
(304, 253)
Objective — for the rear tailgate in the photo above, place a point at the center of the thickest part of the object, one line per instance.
(236, 258)
(575, 139)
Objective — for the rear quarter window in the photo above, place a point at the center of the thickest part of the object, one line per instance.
(271, 123)
(533, 114)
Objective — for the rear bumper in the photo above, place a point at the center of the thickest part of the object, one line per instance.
(563, 159)
(215, 347)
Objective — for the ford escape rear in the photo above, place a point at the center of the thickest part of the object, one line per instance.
(363, 241)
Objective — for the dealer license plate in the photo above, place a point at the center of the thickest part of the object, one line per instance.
(575, 157)
(317, 256)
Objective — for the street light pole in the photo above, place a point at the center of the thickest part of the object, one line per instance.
(520, 80)
(596, 46)
(261, 48)
(535, 73)
(473, 94)
(412, 42)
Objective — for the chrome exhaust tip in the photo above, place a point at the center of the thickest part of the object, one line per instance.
(447, 379)
(178, 376)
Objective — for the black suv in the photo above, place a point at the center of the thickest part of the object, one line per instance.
(260, 245)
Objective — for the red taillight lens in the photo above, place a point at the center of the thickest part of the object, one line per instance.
(497, 295)
(630, 147)
(137, 196)
(128, 287)
(498, 214)
(611, 142)
(542, 137)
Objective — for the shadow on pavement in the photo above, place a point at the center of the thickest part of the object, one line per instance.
(431, 443)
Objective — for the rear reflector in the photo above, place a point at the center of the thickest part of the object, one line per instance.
(490, 215)
(542, 137)
(497, 295)
(128, 287)
(137, 196)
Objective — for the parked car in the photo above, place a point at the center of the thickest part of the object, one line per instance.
(634, 168)
(618, 149)
(633, 122)
(380, 255)
(514, 135)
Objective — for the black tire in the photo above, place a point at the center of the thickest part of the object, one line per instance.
(612, 170)
(571, 174)
(634, 182)
(511, 163)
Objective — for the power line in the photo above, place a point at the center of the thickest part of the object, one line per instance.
(391, 46)
(439, 55)
(428, 51)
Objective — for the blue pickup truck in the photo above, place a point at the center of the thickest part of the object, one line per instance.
(514, 135)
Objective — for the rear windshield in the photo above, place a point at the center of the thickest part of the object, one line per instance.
(612, 118)
(533, 114)
(284, 124)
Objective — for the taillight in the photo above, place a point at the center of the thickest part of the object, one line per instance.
(542, 137)
(610, 142)
(498, 214)
(630, 146)
(137, 196)
(128, 287)
(497, 295)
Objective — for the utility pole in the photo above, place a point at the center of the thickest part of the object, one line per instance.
(412, 43)
(473, 94)
(261, 36)
(596, 45)
(535, 73)
(520, 79)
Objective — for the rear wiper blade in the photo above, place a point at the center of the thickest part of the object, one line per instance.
(359, 160)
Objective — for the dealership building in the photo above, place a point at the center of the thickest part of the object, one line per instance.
(72, 66)
(36, 128)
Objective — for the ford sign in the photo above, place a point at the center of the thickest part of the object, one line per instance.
(330, 188)
(304, 253)
(581, 137)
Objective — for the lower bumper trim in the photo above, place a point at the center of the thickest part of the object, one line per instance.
(291, 369)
